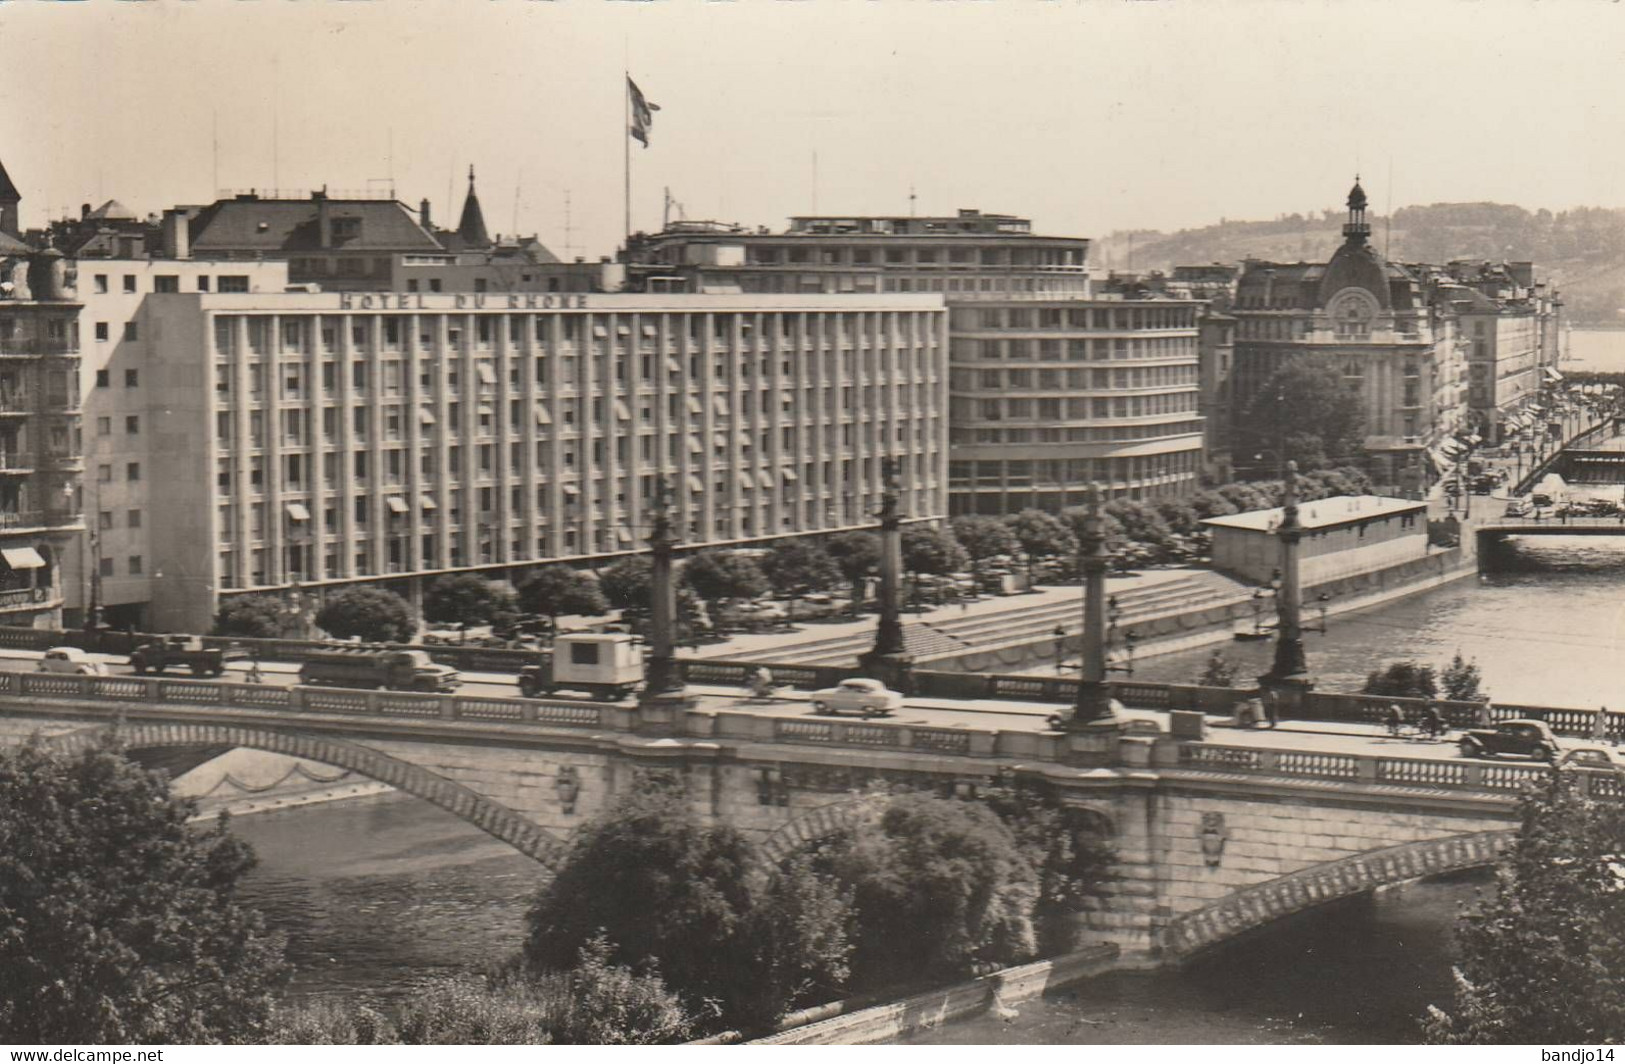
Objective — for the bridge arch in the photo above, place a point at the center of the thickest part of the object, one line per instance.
(493, 818)
(1255, 906)
(815, 826)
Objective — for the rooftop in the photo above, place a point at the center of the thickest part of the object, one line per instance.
(1322, 513)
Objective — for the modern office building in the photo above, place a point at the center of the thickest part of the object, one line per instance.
(1386, 326)
(317, 440)
(1052, 386)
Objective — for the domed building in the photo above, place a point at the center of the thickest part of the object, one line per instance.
(1385, 325)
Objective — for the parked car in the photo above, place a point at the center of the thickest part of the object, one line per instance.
(1518, 508)
(1587, 757)
(1485, 483)
(71, 661)
(1526, 738)
(868, 698)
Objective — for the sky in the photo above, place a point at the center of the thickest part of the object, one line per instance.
(1087, 116)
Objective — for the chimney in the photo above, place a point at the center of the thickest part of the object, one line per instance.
(177, 233)
(84, 211)
(423, 214)
(324, 218)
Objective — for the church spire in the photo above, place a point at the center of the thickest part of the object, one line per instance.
(1356, 230)
(471, 227)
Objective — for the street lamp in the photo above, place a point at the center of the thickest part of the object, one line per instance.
(1060, 649)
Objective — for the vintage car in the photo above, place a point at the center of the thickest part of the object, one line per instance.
(869, 698)
(70, 660)
(1528, 738)
(1587, 757)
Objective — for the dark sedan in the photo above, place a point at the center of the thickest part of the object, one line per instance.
(1526, 738)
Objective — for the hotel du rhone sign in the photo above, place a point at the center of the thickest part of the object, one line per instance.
(462, 301)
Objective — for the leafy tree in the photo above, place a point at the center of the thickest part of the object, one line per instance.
(1246, 497)
(983, 538)
(369, 613)
(1041, 536)
(1067, 848)
(940, 888)
(626, 583)
(1462, 682)
(722, 574)
(670, 891)
(254, 617)
(466, 600)
(556, 591)
(857, 555)
(1179, 515)
(1544, 960)
(1212, 504)
(1403, 679)
(1075, 517)
(799, 567)
(1141, 522)
(1305, 411)
(1219, 671)
(118, 921)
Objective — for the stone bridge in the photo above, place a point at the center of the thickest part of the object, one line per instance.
(1212, 840)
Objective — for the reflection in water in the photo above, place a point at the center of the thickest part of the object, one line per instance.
(1360, 971)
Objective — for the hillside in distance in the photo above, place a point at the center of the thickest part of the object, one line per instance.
(1582, 249)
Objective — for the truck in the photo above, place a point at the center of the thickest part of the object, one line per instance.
(605, 665)
(184, 652)
(377, 668)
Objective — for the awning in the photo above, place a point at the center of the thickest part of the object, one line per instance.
(426, 416)
(694, 406)
(648, 330)
(397, 504)
(599, 331)
(623, 535)
(719, 439)
(297, 512)
(784, 397)
(673, 366)
(745, 483)
(695, 446)
(695, 484)
(789, 475)
(719, 403)
(427, 502)
(570, 489)
(487, 374)
(1452, 449)
(542, 417)
(1551, 374)
(22, 558)
(621, 411)
(764, 479)
(623, 330)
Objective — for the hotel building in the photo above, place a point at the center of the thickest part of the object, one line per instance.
(314, 440)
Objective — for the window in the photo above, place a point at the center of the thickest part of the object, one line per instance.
(132, 471)
(129, 282)
(135, 519)
(104, 474)
(101, 330)
(233, 283)
(104, 426)
(105, 520)
(101, 284)
(106, 567)
(132, 378)
(130, 331)
(132, 425)
(101, 378)
(135, 565)
(166, 283)
(202, 283)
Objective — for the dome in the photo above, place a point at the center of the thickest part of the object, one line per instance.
(1356, 265)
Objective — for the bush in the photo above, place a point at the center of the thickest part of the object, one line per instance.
(370, 614)
(556, 591)
(255, 617)
(1218, 672)
(1463, 682)
(1403, 679)
(626, 583)
(466, 600)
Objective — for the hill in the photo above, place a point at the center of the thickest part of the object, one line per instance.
(1583, 249)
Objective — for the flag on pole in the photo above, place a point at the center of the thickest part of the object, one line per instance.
(642, 113)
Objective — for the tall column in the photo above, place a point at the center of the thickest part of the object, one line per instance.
(1288, 679)
(662, 682)
(888, 660)
(1095, 707)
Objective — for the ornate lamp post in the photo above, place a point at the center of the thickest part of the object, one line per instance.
(1096, 708)
(1288, 679)
(661, 680)
(889, 660)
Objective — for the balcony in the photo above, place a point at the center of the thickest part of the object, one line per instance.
(26, 598)
(17, 462)
(32, 520)
(34, 347)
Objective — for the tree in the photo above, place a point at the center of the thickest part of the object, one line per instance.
(722, 574)
(254, 617)
(798, 567)
(626, 584)
(940, 887)
(1068, 849)
(1141, 522)
(857, 555)
(370, 614)
(983, 538)
(118, 920)
(1041, 536)
(1462, 682)
(672, 893)
(1543, 961)
(1306, 411)
(556, 591)
(1403, 679)
(1219, 672)
(466, 600)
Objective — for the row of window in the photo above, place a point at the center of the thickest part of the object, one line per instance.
(933, 255)
(1073, 350)
(1063, 472)
(1122, 406)
(1098, 318)
(1051, 380)
(1078, 434)
(171, 283)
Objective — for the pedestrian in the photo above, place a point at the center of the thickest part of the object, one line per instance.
(1486, 716)
(255, 674)
(1599, 725)
(1396, 719)
(1434, 720)
(1272, 707)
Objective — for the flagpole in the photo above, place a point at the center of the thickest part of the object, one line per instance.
(626, 149)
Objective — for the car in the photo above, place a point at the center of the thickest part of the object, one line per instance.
(1528, 738)
(868, 698)
(1587, 757)
(69, 660)
(1518, 508)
